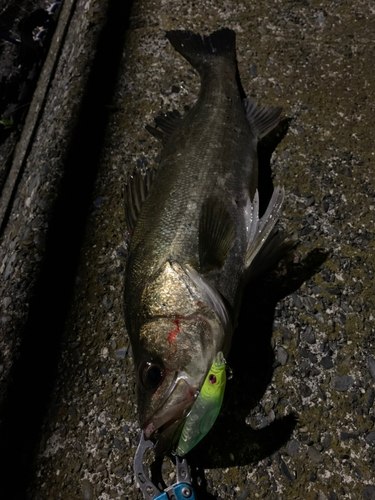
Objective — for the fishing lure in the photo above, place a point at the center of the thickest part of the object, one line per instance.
(206, 408)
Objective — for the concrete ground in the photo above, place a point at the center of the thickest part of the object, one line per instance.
(298, 417)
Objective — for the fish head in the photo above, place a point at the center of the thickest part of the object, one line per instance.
(179, 336)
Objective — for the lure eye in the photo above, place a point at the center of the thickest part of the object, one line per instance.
(151, 374)
(212, 378)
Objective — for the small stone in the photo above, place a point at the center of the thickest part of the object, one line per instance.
(371, 366)
(102, 417)
(308, 335)
(128, 479)
(312, 477)
(282, 355)
(305, 391)
(370, 397)
(286, 334)
(320, 20)
(121, 353)
(119, 471)
(254, 70)
(87, 490)
(370, 438)
(292, 447)
(296, 300)
(326, 442)
(325, 206)
(285, 471)
(369, 492)
(314, 455)
(117, 444)
(6, 302)
(343, 382)
(107, 302)
(244, 494)
(326, 362)
(6, 319)
(310, 201)
(332, 496)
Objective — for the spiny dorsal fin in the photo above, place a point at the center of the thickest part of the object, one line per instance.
(263, 118)
(216, 234)
(167, 123)
(136, 190)
(259, 230)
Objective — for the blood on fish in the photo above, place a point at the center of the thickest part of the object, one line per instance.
(173, 334)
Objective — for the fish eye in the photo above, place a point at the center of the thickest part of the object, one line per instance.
(212, 378)
(151, 374)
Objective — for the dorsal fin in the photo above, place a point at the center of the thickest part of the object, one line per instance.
(262, 118)
(216, 234)
(167, 123)
(136, 190)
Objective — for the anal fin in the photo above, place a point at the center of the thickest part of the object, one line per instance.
(167, 124)
(216, 235)
(136, 190)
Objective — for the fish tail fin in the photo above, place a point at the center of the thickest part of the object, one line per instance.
(197, 49)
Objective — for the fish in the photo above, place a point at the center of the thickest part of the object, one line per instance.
(197, 236)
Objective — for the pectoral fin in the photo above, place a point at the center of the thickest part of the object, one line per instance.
(264, 243)
(216, 235)
(136, 190)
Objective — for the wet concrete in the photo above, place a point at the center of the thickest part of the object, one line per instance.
(298, 418)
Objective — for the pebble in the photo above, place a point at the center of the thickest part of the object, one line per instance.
(285, 471)
(282, 355)
(87, 490)
(254, 70)
(332, 496)
(343, 382)
(308, 335)
(371, 366)
(121, 353)
(128, 479)
(244, 494)
(296, 300)
(119, 471)
(370, 397)
(326, 362)
(6, 319)
(6, 302)
(107, 302)
(314, 455)
(370, 438)
(292, 448)
(369, 492)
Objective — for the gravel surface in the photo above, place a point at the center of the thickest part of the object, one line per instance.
(298, 417)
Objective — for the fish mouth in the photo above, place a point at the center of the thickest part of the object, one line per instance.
(165, 425)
